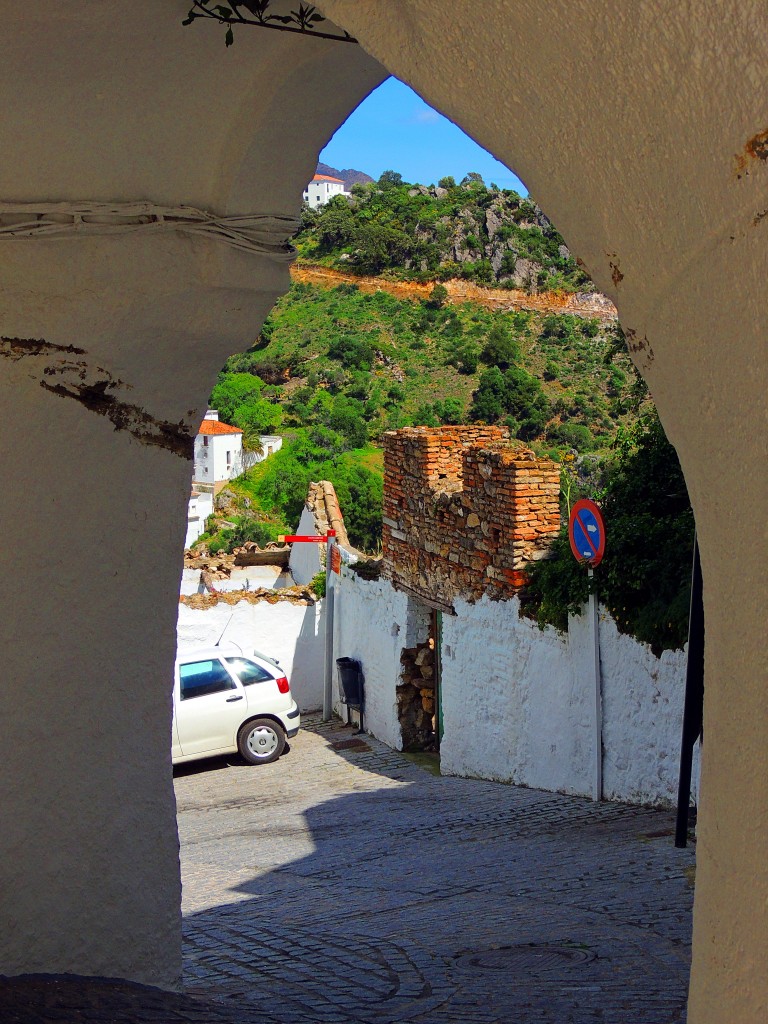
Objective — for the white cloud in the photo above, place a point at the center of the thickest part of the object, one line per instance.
(426, 116)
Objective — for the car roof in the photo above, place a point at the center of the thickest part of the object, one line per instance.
(228, 650)
(225, 650)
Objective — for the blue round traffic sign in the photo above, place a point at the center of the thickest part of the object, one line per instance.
(586, 532)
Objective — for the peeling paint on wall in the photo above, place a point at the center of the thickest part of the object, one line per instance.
(175, 437)
(96, 395)
(755, 148)
(639, 347)
(17, 348)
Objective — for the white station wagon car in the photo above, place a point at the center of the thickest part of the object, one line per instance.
(224, 701)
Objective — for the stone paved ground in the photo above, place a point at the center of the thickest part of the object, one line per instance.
(351, 886)
(346, 885)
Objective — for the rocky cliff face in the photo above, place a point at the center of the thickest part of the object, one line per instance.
(472, 231)
(349, 176)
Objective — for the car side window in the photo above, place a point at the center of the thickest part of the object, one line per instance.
(248, 671)
(200, 678)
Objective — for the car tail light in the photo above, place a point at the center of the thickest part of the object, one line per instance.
(283, 685)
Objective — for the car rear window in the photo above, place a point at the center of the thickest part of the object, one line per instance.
(200, 678)
(248, 671)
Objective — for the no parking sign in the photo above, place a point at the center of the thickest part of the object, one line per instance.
(586, 532)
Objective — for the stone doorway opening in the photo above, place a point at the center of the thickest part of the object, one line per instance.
(419, 705)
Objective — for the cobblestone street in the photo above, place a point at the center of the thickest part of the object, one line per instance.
(346, 883)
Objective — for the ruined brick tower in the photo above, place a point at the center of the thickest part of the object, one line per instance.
(465, 510)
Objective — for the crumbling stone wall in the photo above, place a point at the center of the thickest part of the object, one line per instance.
(465, 510)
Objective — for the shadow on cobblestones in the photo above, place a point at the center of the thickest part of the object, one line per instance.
(395, 896)
(346, 885)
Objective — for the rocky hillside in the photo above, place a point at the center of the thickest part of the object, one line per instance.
(349, 175)
(468, 230)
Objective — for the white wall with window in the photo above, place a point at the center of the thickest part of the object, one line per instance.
(321, 189)
(218, 451)
(200, 507)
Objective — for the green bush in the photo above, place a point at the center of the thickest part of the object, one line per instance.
(500, 348)
(571, 435)
(644, 578)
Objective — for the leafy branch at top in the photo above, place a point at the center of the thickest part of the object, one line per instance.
(304, 19)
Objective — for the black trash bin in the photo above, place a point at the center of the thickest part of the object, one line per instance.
(351, 677)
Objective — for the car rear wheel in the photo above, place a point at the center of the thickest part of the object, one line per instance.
(261, 741)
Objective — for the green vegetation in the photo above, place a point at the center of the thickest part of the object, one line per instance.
(356, 363)
(644, 578)
(268, 499)
(417, 232)
(334, 368)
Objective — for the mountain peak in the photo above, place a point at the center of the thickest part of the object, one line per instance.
(349, 176)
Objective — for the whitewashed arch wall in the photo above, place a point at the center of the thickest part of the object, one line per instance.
(118, 104)
(639, 127)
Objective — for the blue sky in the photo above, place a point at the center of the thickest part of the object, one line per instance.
(395, 129)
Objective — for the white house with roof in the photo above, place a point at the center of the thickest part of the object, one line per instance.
(322, 188)
(218, 453)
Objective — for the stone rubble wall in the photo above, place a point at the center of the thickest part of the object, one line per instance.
(464, 511)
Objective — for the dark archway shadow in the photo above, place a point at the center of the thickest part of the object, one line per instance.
(440, 899)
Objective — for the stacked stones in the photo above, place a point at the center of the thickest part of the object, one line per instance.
(416, 697)
(465, 510)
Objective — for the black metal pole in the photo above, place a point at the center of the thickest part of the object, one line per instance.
(693, 712)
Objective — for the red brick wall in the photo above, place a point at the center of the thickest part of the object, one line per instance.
(465, 510)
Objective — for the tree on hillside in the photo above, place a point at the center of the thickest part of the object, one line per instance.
(515, 394)
(378, 246)
(389, 179)
(500, 348)
(489, 400)
(232, 391)
(644, 578)
(258, 416)
(526, 403)
(253, 449)
(336, 225)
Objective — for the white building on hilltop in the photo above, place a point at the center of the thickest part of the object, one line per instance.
(218, 452)
(219, 455)
(321, 189)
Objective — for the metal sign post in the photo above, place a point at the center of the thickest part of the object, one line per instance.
(329, 600)
(586, 532)
(597, 718)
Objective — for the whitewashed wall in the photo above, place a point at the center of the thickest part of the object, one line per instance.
(517, 701)
(304, 560)
(200, 507)
(292, 634)
(643, 699)
(372, 624)
(512, 709)
(524, 697)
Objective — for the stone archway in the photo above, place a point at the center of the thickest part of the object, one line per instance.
(640, 130)
(125, 176)
(653, 166)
